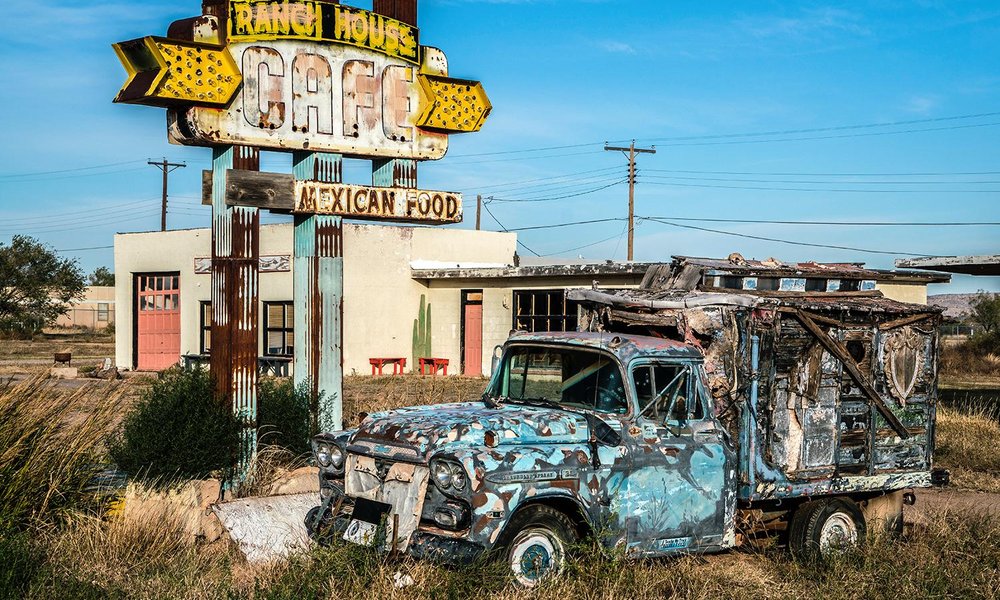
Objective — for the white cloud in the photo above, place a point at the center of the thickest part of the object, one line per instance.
(809, 23)
(617, 47)
(921, 104)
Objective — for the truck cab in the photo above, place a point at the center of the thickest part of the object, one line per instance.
(576, 434)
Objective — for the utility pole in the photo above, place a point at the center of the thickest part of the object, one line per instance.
(166, 167)
(479, 209)
(632, 151)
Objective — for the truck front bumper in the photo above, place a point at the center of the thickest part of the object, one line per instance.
(324, 527)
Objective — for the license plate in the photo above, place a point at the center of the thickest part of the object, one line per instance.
(365, 521)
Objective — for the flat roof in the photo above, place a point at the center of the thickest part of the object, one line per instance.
(736, 264)
(985, 264)
(551, 270)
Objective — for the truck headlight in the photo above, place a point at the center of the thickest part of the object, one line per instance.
(323, 455)
(442, 474)
(330, 455)
(449, 475)
(337, 456)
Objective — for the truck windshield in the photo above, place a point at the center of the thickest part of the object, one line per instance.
(573, 378)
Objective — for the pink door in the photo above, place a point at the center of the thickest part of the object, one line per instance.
(472, 336)
(158, 321)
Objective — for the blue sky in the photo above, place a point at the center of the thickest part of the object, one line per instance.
(570, 76)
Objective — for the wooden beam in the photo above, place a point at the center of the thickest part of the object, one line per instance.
(819, 318)
(270, 191)
(905, 321)
(836, 348)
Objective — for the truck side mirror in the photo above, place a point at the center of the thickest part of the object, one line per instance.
(497, 353)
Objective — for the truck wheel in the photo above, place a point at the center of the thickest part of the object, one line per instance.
(537, 540)
(822, 529)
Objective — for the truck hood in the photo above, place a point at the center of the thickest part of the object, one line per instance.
(430, 428)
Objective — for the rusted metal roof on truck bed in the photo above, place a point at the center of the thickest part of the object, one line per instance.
(689, 272)
(622, 345)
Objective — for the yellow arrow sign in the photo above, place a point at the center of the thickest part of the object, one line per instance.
(164, 72)
(452, 105)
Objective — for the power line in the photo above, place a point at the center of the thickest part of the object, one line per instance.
(560, 189)
(832, 190)
(781, 241)
(833, 137)
(30, 173)
(103, 211)
(543, 199)
(519, 242)
(617, 235)
(826, 182)
(557, 225)
(832, 128)
(907, 174)
(73, 176)
(549, 178)
(839, 223)
(82, 249)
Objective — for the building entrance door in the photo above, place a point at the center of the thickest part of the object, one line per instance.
(472, 333)
(158, 321)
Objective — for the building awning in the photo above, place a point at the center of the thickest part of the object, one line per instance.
(988, 264)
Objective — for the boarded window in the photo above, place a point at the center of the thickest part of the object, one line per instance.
(205, 327)
(278, 329)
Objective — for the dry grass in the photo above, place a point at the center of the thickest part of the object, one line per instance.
(968, 443)
(49, 438)
(955, 556)
(87, 345)
(963, 361)
(372, 394)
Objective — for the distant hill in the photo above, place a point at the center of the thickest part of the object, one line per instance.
(956, 306)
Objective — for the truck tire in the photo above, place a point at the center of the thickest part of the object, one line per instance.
(535, 543)
(821, 529)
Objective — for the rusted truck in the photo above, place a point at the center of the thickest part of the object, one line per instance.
(676, 421)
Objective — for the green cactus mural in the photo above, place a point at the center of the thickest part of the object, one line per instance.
(422, 333)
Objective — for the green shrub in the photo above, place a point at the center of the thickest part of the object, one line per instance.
(284, 415)
(177, 430)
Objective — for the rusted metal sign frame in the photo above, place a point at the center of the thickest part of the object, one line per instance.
(318, 280)
(283, 193)
(235, 264)
(377, 106)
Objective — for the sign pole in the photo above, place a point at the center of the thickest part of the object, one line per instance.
(235, 257)
(318, 276)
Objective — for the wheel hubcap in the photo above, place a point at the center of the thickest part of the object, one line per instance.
(839, 533)
(534, 556)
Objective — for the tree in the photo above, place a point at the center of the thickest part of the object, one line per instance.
(101, 276)
(986, 312)
(36, 285)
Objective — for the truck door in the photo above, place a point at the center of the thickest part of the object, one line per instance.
(680, 492)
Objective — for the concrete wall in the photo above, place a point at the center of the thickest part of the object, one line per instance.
(85, 313)
(381, 298)
(915, 292)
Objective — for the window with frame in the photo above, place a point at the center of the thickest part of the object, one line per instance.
(666, 393)
(205, 326)
(278, 329)
(103, 312)
(544, 310)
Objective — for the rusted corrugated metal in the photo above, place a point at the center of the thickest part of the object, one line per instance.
(401, 10)
(318, 278)
(235, 259)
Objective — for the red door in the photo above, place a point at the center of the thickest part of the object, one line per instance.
(158, 321)
(472, 333)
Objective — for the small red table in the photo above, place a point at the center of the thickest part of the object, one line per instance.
(434, 364)
(398, 365)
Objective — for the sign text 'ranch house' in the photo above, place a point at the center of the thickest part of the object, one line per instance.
(388, 203)
(270, 20)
